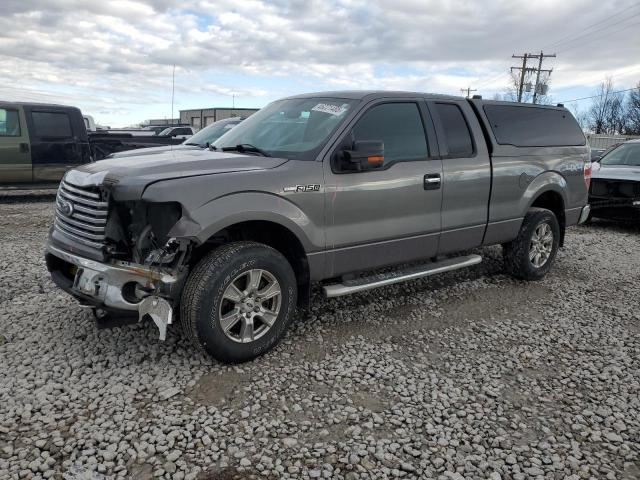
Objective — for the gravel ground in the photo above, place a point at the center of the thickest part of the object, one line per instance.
(465, 375)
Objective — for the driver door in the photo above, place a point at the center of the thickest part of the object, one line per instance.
(390, 214)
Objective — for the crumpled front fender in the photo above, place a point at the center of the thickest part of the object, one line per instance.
(202, 223)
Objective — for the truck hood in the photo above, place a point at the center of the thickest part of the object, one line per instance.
(128, 177)
(616, 172)
(154, 150)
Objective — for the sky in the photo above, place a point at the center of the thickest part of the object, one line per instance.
(115, 58)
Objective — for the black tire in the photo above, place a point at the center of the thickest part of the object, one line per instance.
(202, 299)
(516, 253)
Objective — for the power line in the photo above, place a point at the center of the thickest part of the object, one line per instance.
(606, 27)
(495, 77)
(599, 37)
(567, 39)
(582, 32)
(599, 95)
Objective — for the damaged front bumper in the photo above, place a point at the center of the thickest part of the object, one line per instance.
(616, 208)
(117, 286)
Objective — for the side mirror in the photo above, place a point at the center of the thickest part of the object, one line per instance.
(365, 155)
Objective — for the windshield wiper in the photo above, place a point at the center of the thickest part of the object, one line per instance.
(194, 144)
(246, 147)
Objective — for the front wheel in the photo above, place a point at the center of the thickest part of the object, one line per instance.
(238, 301)
(531, 254)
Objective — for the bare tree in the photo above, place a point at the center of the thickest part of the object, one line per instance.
(599, 105)
(607, 112)
(616, 115)
(580, 115)
(632, 112)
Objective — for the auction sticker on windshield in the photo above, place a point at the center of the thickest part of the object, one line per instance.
(331, 109)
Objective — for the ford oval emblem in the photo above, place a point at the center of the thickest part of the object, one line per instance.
(66, 207)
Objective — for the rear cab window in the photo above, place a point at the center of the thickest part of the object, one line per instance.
(9, 123)
(527, 126)
(51, 124)
(455, 130)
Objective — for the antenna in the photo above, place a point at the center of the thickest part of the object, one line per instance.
(173, 89)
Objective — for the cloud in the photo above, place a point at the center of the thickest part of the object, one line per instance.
(121, 52)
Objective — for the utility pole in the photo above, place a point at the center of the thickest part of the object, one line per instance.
(538, 87)
(468, 90)
(524, 69)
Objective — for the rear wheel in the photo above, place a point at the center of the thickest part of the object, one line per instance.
(531, 254)
(238, 301)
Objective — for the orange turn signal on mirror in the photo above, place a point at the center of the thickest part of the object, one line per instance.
(375, 159)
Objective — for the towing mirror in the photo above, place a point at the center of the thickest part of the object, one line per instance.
(365, 155)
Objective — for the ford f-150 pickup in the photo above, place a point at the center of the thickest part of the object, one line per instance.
(324, 188)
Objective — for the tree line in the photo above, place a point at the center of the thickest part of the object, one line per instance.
(612, 112)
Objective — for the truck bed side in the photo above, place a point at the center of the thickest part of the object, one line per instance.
(538, 155)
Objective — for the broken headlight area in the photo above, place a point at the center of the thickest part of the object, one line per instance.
(138, 232)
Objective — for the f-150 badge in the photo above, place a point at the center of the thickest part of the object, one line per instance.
(303, 188)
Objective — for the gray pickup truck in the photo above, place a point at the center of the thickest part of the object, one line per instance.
(350, 190)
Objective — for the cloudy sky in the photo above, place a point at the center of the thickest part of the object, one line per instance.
(114, 58)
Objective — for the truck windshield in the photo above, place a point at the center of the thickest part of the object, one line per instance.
(211, 133)
(626, 154)
(295, 128)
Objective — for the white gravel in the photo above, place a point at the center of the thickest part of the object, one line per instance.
(466, 375)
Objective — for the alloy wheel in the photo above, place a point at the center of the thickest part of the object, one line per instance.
(250, 305)
(541, 245)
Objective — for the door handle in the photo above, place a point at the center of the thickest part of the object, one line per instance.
(432, 181)
(23, 147)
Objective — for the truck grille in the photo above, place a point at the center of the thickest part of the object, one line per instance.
(81, 214)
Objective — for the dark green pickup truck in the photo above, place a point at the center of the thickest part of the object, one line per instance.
(39, 143)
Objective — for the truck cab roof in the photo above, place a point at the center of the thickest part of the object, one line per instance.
(376, 94)
(373, 94)
(37, 105)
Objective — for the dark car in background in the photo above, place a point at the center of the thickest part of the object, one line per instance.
(177, 132)
(202, 139)
(615, 183)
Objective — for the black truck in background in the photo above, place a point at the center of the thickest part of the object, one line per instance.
(40, 142)
(104, 142)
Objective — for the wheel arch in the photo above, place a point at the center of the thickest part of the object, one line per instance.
(552, 200)
(548, 190)
(267, 232)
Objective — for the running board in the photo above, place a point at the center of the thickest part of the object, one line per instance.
(383, 279)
